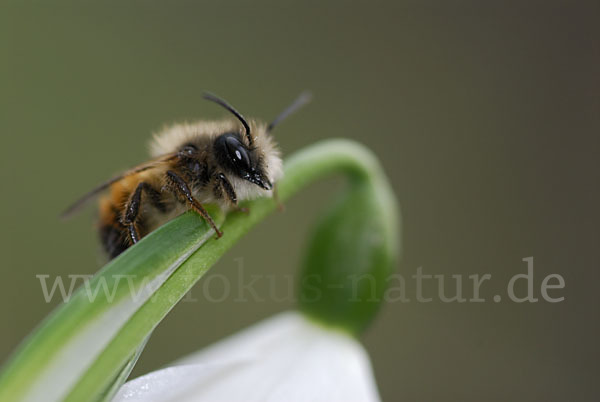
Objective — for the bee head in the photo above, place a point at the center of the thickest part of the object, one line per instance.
(245, 159)
(241, 160)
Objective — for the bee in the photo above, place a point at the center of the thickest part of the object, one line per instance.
(216, 162)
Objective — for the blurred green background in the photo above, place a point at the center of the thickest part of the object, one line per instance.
(485, 118)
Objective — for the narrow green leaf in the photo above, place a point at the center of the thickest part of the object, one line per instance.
(122, 376)
(53, 358)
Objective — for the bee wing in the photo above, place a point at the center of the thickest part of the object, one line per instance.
(77, 205)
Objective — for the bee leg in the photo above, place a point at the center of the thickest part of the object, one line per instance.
(132, 210)
(132, 213)
(181, 188)
(224, 185)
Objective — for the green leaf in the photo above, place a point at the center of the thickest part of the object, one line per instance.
(80, 352)
(52, 360)
(122, 376)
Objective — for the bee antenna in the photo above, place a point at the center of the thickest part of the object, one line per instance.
(223, 102)
(302, 100)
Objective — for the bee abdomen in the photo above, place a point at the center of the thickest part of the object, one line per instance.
(114, 239)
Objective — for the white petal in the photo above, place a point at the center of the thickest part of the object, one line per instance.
(284, 358)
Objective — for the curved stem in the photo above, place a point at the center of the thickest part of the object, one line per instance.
(51, 347)
(302, 168)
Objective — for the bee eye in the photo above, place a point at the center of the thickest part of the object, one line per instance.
(237, 153)
(240, 156)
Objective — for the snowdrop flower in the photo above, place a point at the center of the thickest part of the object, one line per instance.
(288, 357)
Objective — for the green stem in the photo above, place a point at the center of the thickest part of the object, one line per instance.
(302, 168)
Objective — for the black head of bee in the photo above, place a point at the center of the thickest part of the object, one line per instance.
(240, 160)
